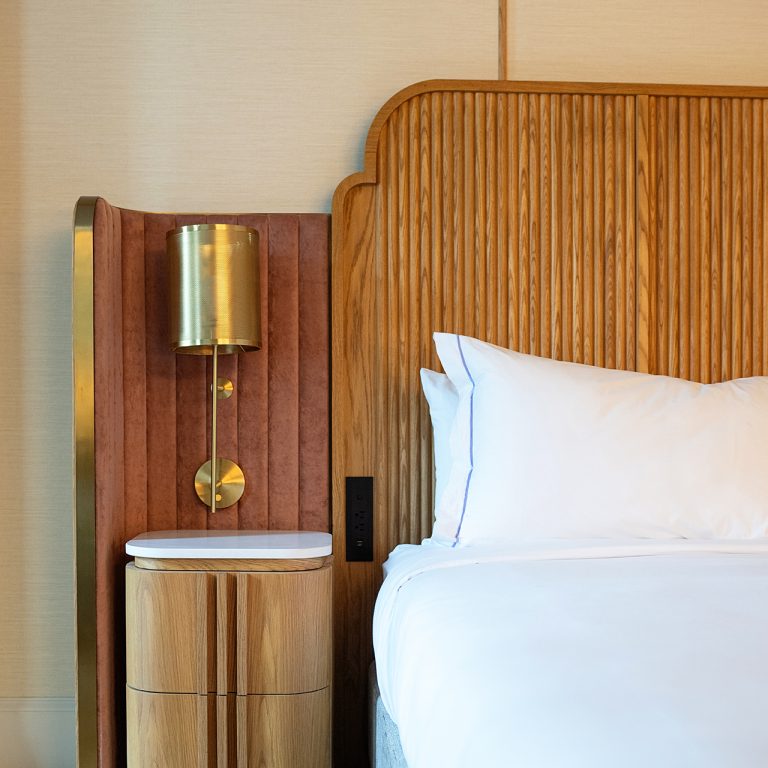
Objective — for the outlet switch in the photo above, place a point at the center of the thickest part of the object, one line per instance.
(359, 519)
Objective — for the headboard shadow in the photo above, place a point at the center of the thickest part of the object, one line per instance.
(617, 225)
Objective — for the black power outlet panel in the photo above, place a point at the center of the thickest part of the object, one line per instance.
(360, 519)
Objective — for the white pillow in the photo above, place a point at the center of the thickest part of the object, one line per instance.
(547, 449)
(443, 399)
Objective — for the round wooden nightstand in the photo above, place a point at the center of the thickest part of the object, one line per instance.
(228, 649)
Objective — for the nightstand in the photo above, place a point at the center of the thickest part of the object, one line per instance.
(228, 649)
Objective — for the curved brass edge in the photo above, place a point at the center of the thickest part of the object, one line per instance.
(231, 564)
(84, 482)
(368, 174)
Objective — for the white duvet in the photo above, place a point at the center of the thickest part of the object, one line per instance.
(601, 655)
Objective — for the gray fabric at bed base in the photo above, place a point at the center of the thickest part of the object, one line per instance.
(384, 741)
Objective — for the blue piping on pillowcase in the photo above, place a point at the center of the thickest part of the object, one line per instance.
(471, 440)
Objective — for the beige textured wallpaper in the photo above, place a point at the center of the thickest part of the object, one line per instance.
(230, 105)
(645, 41)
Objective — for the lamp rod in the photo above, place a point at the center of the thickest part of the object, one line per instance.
(214, 399)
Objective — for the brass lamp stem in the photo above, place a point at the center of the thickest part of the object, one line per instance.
(214, 398)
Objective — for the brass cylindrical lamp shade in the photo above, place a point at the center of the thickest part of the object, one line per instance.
(214, 288)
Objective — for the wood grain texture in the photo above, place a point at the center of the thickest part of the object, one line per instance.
(284, 631)
(216, 631)
(285, 731)
(201, 643)
(170, 637)
(708, 174)
(226, 730)
(191, 731)
(168, 730)
(620, 225)
(226, 633)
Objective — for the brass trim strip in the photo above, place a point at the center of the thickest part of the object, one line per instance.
(84, 482)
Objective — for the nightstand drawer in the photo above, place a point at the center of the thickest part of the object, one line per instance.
(170, 630)
(168, 730)
(191, 731)
(284, 631)
(285, 731)
(225, 632)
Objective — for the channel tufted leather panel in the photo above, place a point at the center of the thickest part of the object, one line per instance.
(152, 423)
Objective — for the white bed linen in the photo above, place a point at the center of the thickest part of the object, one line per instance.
(599, 654)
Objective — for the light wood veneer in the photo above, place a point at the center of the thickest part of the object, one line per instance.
(170, 631)
(230, 564)
(285, 731)
(181, 731)
(229, 668)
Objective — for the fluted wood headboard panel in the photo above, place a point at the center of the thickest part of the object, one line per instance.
(707, 259)
(619, 225)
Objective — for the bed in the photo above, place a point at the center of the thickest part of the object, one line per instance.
(591, 654)
(618, 226)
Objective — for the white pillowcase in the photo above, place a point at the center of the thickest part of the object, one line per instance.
(545, 449)
(443, 399)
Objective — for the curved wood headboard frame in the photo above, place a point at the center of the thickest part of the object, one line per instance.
(618, 225)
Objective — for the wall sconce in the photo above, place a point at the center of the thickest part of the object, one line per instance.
(215, 309)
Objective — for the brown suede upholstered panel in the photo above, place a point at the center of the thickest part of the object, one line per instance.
(152, 409)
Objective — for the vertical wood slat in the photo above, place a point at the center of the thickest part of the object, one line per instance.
(226, 633)
(207, 635)
(645, 215)
(206, 730)
(410, 340)
(419, 343)
(758, 329)
(631, 234)
(227, 730)
(707, 250)
(439, 190)
(704, 241)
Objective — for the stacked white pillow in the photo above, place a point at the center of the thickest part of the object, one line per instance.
(547, 449)
(443, 400)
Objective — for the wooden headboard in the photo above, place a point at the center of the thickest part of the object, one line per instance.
(617, 225)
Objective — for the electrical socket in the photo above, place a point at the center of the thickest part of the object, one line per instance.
(359, 517)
